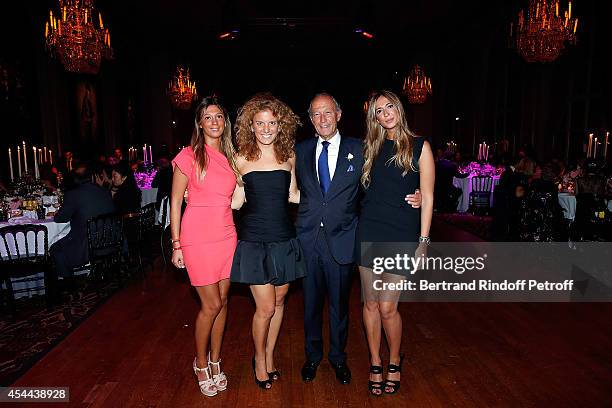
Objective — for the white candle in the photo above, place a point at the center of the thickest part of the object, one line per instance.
(595, 149)
(479, 151)
(590, 147)
(45, 151)
(50, 157)
(35, 164)
(19, 160)
(25, 159)
(144, 153)
(150, 154)
(11, 164)
(606, 146)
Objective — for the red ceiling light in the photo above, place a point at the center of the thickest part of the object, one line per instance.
(229, 35)
(364, 33)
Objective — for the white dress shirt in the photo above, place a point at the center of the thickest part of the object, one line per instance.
(332, 153)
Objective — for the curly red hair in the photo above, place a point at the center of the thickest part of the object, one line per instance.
(288, 122)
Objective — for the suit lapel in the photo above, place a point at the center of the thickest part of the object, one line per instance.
(342, 165)
(311, 155)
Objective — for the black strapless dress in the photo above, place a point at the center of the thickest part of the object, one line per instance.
(268, 250)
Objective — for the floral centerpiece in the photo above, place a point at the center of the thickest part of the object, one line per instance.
(481, 169)
(144, 177)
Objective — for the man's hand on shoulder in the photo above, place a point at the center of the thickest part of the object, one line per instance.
(414, 199)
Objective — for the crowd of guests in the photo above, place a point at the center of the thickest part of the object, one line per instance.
(525, 205)
(91, 188)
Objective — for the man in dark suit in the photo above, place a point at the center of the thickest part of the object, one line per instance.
(328, 170)
(83, 202)
(446, 194)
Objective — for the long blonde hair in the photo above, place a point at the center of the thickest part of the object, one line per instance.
(376, 134)
(198, 141)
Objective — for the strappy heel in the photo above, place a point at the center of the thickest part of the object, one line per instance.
(219, 379)
(394, 385)
(207, 386)
(375, 387)
(265, 384)
(274, 375)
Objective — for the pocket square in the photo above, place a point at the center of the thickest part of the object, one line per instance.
(350, 168)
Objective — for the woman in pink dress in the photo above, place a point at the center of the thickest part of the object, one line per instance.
(205, 240)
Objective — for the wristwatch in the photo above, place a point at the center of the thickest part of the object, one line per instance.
(424, 240)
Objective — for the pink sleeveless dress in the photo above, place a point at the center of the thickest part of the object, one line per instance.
(208, 235)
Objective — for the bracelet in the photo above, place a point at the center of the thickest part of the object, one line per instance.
(176, 249)
(172, 241)
(424, 240)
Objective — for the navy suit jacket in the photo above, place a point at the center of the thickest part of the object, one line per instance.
(339, 208)
(80, 204)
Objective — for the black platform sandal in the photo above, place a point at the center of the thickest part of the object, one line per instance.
(394, 385)
(265, 384)
(274, 375)
(375, 387)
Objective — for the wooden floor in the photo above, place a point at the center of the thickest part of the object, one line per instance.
(137, 349)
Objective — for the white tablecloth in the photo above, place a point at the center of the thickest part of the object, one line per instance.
(568, 203)
(149, 195)
(465, 184)
(56, 231)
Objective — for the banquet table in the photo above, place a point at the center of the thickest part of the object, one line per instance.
(465, 184)
(55, 232)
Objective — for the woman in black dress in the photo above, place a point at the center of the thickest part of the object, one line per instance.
(126, 194)
(268, 256)
(396, 162)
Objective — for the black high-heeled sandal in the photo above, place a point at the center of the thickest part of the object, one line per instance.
(394, 385)
(374, 386)
(265, 384)
(274, 375)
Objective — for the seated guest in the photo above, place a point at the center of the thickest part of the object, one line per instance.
(591, 182)
(457, 158)
(446, 194)
(544, 179)
(102, 175)
(162, 180)
(83, 202)
(540, 218)
(69, 179)
(68, 164)
(118, 154)
(126, 194)
(48, 176)
(526, 164)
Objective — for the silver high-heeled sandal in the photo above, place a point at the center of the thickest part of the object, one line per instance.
(220, 379)
(207, 386)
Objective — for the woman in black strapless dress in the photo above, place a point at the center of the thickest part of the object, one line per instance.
(268, 256)
(396, 163)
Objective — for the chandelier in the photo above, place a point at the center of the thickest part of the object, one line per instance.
(541, 35)
(417, 86)
(75, 39)
(181, 89)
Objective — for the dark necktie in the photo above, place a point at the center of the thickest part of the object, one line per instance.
(324, 178)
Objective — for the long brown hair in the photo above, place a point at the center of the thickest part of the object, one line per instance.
(376, 134)
(198, 141)
(287, 125)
